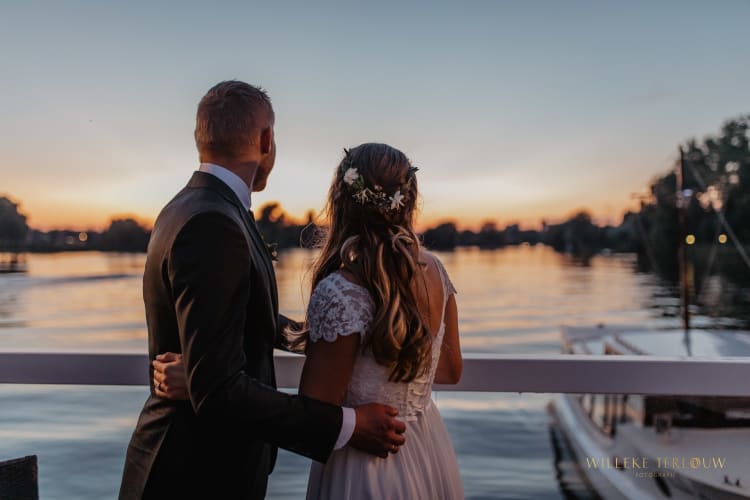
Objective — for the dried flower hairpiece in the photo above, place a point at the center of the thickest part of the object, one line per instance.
(375, 196)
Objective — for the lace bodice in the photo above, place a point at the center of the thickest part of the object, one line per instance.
(340, 307)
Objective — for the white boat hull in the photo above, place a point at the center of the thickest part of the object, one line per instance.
(589, 442)
(609, 483)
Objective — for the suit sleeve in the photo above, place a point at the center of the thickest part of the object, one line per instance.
(209, 271)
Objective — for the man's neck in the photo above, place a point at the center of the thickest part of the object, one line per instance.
(231, 179)
(244, 169)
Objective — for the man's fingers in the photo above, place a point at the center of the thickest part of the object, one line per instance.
(159, 377)
(392, 411)
(164, 366)
(168, 357)
(397, 439)
(398, 426)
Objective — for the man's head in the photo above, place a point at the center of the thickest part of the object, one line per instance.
(234, 128)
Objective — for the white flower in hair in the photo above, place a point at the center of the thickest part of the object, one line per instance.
(397, 200)
(351, 175)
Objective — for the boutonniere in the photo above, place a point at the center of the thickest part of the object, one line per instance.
(273, 251)
(273, 248)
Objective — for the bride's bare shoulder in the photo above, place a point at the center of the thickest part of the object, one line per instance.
(428, 257)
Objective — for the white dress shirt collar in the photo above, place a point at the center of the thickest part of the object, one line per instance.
(235, 183)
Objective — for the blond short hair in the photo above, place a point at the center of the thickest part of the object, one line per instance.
(227, 116)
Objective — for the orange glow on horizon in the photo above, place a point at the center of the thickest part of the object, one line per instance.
(82, 219)
(79, 218)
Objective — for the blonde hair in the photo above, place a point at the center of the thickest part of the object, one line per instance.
(382, 250)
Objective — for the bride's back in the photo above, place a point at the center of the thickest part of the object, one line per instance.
(374, 284)
(370, 380)
(372, 277)
(428, 289)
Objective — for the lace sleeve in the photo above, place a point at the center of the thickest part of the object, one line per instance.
(338, 307)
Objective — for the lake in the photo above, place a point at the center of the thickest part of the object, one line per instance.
(510, 300)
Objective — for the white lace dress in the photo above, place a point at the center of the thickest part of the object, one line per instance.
(425, 467)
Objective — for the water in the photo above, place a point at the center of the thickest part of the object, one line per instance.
(510, 301)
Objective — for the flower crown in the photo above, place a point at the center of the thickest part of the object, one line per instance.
(375, 196)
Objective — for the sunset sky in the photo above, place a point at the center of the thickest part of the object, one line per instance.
(514, 111)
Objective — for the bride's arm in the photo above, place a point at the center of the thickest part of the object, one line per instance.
(328, 368)
(450, 364)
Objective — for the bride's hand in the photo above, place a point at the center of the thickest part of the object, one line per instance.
(170, 381)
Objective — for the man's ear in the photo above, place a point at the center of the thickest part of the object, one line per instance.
(266, 140)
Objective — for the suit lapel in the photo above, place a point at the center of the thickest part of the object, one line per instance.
(262, 249)
(265, 256)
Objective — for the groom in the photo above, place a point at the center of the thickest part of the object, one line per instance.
(210, 293)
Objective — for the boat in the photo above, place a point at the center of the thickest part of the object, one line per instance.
(632, 446)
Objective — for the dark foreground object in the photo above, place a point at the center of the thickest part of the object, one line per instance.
(19, 479)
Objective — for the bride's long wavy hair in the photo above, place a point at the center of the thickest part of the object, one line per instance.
(378, 246)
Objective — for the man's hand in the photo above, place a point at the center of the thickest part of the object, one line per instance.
(377, 431)
(170, 379)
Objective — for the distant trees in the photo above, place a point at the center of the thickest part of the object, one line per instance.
(489, 236)
(578, 235)
(442, 237)
(13, 227)
(277, 229)
(446, 236)
(717, 180)
(125, 235)
(717, 177)
(122, 235)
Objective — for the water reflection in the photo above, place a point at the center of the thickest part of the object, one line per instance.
(510, 300)
(8, 305)
(71, 300)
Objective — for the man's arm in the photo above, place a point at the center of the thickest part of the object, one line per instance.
(209, 272)
(209, 279)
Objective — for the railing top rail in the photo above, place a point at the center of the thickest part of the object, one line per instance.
(556, 373)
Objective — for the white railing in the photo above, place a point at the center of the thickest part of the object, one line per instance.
(562, 373)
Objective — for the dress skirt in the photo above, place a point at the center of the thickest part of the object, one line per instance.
(425, 467)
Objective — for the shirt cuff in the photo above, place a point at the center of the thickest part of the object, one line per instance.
(348, 422)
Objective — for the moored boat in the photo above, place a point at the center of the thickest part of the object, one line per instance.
(648, 447)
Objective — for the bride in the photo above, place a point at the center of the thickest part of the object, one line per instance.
(381, 326)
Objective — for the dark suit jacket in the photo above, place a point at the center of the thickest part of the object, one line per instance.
(210, 293)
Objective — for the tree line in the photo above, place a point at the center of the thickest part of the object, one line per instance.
(717, 191)
(122, 235)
